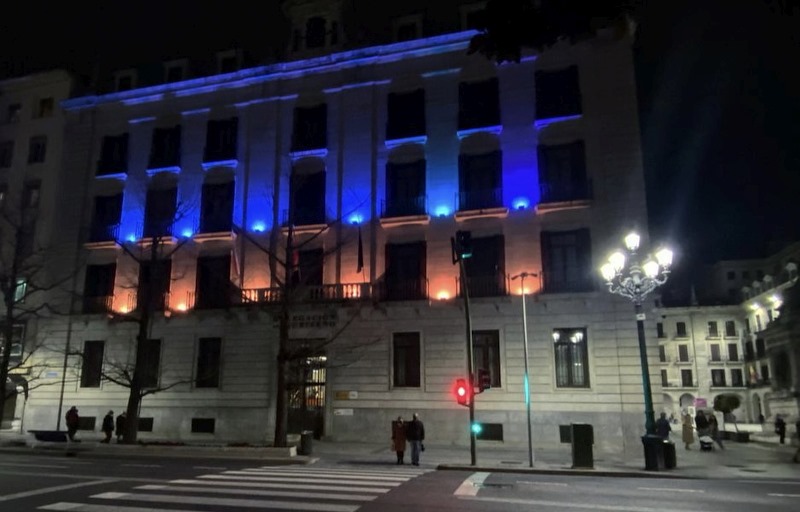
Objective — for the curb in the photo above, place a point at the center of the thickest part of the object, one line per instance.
(567, 471)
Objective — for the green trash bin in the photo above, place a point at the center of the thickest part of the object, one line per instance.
(306, 440)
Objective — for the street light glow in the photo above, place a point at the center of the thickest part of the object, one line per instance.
(617, 261)
(632, 241)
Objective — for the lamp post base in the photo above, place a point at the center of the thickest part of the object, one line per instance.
(653, 453)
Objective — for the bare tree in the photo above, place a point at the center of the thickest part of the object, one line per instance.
(25, 283)
(152, 254)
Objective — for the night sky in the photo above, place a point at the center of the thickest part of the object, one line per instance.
(719, 98)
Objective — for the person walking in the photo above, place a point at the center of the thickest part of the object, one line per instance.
(108, 426)
(687, 431)
(780, 428)
(72, 419)
(399, 439)
(663, 427)
(701, 422)
(796, 457)
(713, 427)
(415, 434)
(120, 424)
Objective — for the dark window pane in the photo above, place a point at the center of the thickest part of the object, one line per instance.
(92, 367)
(406, 359)
(208, 362)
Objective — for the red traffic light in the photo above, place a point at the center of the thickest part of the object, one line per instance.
(462, 391)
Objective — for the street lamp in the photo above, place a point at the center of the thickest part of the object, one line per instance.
(522, 276)
(633, 277)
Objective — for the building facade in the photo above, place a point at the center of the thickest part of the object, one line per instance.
(364, 162)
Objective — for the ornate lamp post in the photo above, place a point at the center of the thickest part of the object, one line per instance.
(526, 383)
(634, 277)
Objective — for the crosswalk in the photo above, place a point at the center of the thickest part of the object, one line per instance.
(268, 487)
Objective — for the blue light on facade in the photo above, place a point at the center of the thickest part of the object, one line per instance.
(442, 211)
(521, 203)
(259, 226)
(131, 237)
(355, 219)
(186, 233)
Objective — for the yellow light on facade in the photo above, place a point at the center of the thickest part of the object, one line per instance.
(182, 307)
(443, 295)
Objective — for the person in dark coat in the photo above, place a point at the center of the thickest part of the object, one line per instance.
(108, 426)
(72, 419)
(415, 434)
(663, 428)
(780, 428)
(399, 439)
(120, 431)
(701, 423)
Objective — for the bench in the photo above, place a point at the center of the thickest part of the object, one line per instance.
(50, 436)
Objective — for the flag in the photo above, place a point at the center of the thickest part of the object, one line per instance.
(360, 264)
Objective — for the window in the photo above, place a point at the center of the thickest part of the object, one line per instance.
(309, 270)
(3, 193)
(680, 327)
(486, 354)
(307, 198)
(221, 140)
(407, 31)
(405, 189)
(745, 275)
(733, 352)
(228, 64)
(406, 114)
(683, 353)
(662, 353)
(737, 378)
(566, 261)
(765, 373)
(21, 290)
(13, 113)
(174, 73)
(761, 348)
(749, 354)
(92, 365)
(486, 269)
(480, 181)
(166, 148)
(715, 352)
(473, 15)
(747, 325)
(159, 212)
(731, 275)
(558, 93)
(37, 149)
(562, 172)
(151, 366)
(310, 128)
(664, 379)
(490, 432)
(98, 288)
(125, 82)
(106, 218)
(730, 329)
(686, 379)
(213, 285)
(315, 32)
(478, 104)
(154, 284)
(208, 362)
(113, 155)
(718, 378)
(17, 337)
(216, 209)
(406, 360)
(660, 330)
(405, 277)
(769, 315)
(44, 108)
(31, 195)
(6, 154)
(572, 359)
(203, 425)
(713, 330)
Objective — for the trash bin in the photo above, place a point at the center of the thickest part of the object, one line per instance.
(670, 459)
(582, 441)
(653, 453)
(306, 439)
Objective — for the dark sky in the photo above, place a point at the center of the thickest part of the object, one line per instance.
(719, 93)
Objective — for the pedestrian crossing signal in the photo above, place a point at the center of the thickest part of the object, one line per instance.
(462, 391)
(477, 428)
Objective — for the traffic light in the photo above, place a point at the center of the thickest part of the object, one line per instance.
(464, 244)
(462, 392)
(477, 428)
(484, 380)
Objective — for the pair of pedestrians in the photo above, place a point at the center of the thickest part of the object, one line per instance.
(413, 432)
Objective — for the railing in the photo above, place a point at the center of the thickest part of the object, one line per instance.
(164, 159)
(304, 216)
(154, 228)
(217, 297)
(484, 286)
(215, 224)
(687, 360)
(103, 232)
(158, 301)
(99, 304)
(309, 293)
(111, 167)
(403, 289)
(219, 153)
(404, 206)
(553, 193)
(716, 360)
(552, 283)
(479, 199)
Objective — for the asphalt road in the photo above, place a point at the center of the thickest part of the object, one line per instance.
(167, 484)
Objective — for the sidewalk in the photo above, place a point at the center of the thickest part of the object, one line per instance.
(738, 460)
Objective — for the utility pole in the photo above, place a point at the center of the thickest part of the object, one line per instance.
(461, 246)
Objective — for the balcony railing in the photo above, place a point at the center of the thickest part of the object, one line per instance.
(404, 206)
(111, 167)
(215, 224)
(159, 301)
(219, 153)
(390, 289)
(309, 293)
(559, 192)
(155, 228)
(99, 304)
(305, 216)
(479, 199)
(103, 232)
(484, 286)
(553, 282)
(222, 296)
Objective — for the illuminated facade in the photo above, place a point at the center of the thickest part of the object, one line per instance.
(392, 148)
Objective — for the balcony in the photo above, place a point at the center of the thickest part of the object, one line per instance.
(308, 216)
(215, 297)
(488, 199)
(156, 228)
(217, 227)
(566, 192)
(396, 288)
(716, 361)
(404, 206)
(684, 361)
(484, 286)
(112, 169)
(159, 301)
(312, 293)
(553, 282)
(98, 305)
(103, 235)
